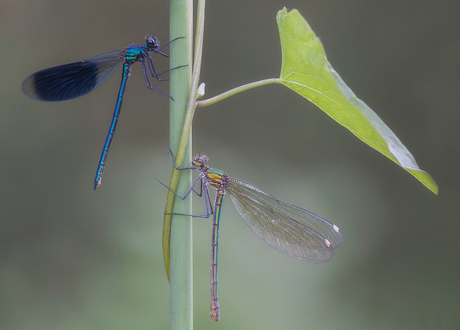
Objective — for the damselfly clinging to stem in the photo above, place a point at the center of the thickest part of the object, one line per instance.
(72, 80)
(287, 228)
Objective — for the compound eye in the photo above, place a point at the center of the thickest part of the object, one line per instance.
(199, 160)
(152, 42)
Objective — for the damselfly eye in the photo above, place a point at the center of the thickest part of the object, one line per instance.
(152, 42)
(199, 160)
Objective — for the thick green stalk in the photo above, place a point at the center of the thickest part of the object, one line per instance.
(181, 274)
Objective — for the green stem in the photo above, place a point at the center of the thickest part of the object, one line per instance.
(177, 235)
(236, 90)
(180, 232)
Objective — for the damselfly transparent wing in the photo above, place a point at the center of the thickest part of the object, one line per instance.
(287, 228)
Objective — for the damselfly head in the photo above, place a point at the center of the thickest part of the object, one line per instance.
(152, 43)
(199, 160)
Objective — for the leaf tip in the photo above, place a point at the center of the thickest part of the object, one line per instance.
(425, 178)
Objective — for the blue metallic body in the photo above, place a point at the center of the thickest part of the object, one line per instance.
(73, 80)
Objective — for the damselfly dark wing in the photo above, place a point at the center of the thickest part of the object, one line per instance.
(68, 81)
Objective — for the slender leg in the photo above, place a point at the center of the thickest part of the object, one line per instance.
(194, 182)
(180, 168)
(204, 188)
(159, 50)
(153, 71)
(191, 188)
(147, 81)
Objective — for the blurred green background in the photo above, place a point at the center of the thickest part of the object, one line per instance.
(72, 258)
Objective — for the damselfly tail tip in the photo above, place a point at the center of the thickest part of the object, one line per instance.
(97, 183)
(215, 315)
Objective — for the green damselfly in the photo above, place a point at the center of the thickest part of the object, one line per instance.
(285, 227)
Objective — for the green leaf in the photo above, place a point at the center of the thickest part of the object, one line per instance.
(305, 70)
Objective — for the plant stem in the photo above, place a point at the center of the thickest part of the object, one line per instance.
(181, 279)
(236, 90)
(177, 235)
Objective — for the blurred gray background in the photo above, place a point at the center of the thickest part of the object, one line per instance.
(72, 258)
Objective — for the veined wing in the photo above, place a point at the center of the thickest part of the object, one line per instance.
(284, 226)
(68, 81)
